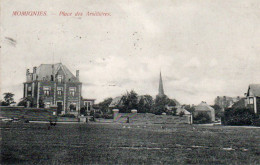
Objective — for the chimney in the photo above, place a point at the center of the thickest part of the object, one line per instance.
(34, 73)
(28, 75)
(34, 69)
(77, 74)
(27, 71)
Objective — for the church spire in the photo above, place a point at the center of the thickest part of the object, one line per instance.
(161, 91)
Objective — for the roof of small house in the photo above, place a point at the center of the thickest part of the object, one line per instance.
(181, 109)
(115, 101)
(254, 89)
(46, 70)
(203, 106)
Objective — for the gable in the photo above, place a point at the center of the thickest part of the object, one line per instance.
(60, 72)
(254, 90)
(46, 70)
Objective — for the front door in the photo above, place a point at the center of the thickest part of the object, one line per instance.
(59, 107)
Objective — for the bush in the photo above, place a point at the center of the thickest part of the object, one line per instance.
(107, 116)
(239, 116)
(68, 115)
(96, 115)
(201, 118)
(256, 122)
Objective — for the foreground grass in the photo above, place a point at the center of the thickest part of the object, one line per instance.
(128, 144)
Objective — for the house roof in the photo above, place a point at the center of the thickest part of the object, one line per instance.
(46, 70)
(203, 106)
(240, 104)
(254, 89)
(180, 109)
(115, 101)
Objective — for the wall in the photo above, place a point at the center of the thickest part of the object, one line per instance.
(148, 118)
(31, 114)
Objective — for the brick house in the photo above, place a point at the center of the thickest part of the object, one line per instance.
(54, 84)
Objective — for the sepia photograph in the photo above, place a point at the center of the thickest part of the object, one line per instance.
(130, 82)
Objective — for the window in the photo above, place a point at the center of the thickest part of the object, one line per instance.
(59, 91)
(59, 78)
(251, 100)
(47, 105)
(72, 91)
(46, 90)
(29, 91)
(87, 105)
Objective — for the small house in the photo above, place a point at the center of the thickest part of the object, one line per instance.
(203, 107)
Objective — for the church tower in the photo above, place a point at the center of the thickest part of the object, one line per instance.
(161, 91)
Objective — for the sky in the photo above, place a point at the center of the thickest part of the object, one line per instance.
(203, 49)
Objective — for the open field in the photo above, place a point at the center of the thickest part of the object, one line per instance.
(33, 143)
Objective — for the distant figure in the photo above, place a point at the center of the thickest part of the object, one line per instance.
(51, 124)
(127, 121)
(164, 125)
(93, 118)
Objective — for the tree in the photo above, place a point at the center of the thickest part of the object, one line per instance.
(8, 99)
(148, 103)
(159, 104)
(141, 106)
(104, 105)
(218, 111)
(238, 116)
(32, 102)
(129, 102)
(23, 102)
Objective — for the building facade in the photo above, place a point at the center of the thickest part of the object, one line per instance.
(54, 85)
(225, 101)
(253, 98)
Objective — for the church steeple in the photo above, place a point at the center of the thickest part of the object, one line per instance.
(161, 91)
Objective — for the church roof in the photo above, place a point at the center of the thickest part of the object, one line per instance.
(46, 70)
(161, 90)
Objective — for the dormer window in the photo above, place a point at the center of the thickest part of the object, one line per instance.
(59, 77)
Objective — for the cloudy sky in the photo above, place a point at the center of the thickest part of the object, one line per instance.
(203, 48)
